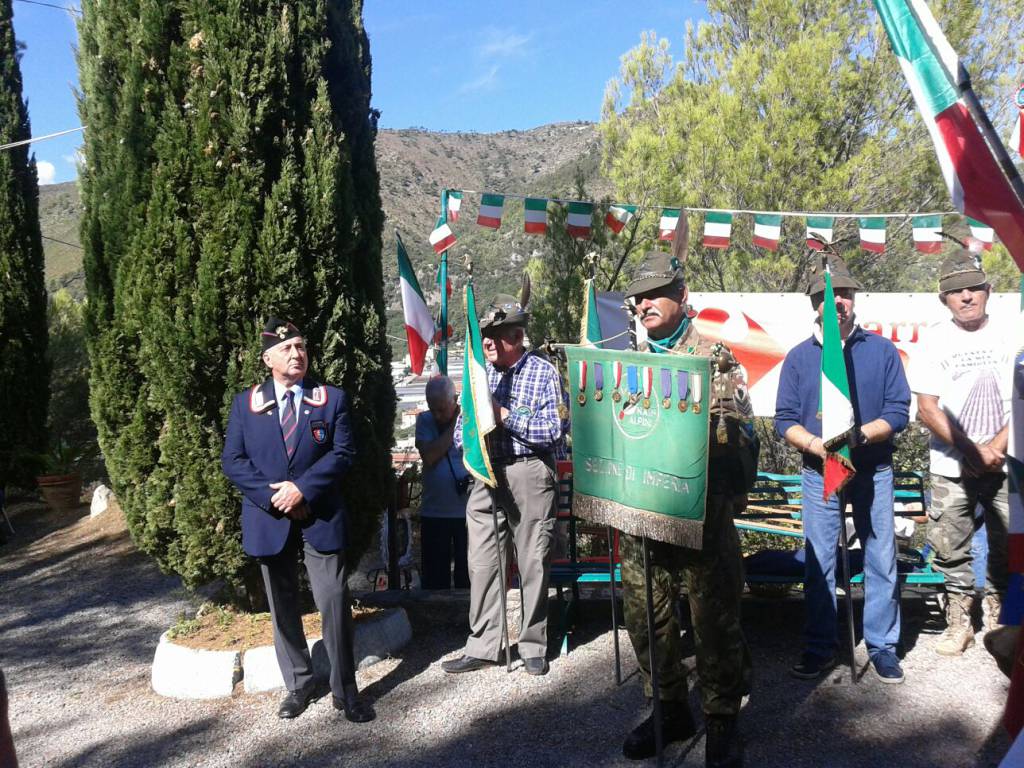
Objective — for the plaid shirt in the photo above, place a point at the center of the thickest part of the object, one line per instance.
(531, 390)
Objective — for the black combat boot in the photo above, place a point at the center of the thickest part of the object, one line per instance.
(676, 725)
(723, 748)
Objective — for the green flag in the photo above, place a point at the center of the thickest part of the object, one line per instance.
(477, 413)
(836, 408)
(590, 327)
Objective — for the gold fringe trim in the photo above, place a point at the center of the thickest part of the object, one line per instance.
(680, 531)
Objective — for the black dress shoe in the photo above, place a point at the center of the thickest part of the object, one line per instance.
(536, 665)
(465, 664)
(676, 725)
(295, 703)
(723, 748)
(356, 710)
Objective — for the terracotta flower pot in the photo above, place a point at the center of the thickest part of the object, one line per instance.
(61, 492)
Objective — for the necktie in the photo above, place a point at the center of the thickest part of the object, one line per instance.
(289, 424)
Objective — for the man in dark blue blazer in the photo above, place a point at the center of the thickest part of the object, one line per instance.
(287, 446)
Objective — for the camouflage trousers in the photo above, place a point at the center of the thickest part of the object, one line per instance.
(951, 526)
(713, 581)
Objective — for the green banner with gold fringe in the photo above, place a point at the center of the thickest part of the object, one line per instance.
(640, 441)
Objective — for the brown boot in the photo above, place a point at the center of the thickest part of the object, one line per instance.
(991, 606)
(959, 634)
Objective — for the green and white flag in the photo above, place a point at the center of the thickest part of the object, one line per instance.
(590, 326)
(836, 407)
(928, 234)
(535, 215)
(820, 226)
(477, 413)
(872, 234)
(717, 229)
(578, 218)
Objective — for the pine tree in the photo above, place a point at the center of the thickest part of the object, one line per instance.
(229, 175)
(24, 375)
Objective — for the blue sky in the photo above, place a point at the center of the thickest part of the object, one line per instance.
(443, 65)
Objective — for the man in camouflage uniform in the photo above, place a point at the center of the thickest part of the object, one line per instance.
(711, 576)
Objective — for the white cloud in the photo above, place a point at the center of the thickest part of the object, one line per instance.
(486, 82)
(46, 172)
(502, 43)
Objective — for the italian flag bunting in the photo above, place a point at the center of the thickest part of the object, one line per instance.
(442, 238)
(419, 325)
(667, 225)
(618, 217)
(717, 229)
(767, 230)
(836, 408)
(820, 226)
(491, 207)
(590, 325)
(535, 215)
(578, 220)
(981, 232)
(872, 234)
(477, 413)
(927, 237)
(941, 88)
(454, 204)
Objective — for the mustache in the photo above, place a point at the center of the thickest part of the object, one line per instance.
(651, 312)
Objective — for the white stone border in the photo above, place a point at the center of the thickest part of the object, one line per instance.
(187, 673)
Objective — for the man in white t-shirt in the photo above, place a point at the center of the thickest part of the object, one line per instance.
(961, 376)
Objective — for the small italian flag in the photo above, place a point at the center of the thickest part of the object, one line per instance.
(667, 225)
(419, 325)
(717, 229)
(981, 232)
(836, 407)
(535, 215)
(491, 207)
(938, 82)
(872, 234)
(577, 222)
(454, 204)
(477, 412)
(926, 234)
(767, 230)
(820, 226)
(618, 217)
(442, 238)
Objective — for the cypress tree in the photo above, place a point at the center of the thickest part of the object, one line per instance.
(229, 174)
(24, 377)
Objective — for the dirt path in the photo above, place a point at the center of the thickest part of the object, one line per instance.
(81, 611)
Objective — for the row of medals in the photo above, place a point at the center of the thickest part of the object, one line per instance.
(634, 398)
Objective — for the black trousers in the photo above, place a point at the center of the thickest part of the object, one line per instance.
(442, 538)
(328, 577)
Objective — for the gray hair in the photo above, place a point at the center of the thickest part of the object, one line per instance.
(440, 388)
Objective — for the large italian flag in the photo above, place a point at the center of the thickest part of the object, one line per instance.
(938, 82)
(419, 325)
(477, 413)
(836, 408)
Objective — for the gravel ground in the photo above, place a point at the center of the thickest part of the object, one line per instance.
(81, 611)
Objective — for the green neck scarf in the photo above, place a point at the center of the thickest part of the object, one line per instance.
(671, 341)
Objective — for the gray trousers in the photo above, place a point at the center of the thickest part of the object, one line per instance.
(525, 500)
(951, 529)
(328, 577)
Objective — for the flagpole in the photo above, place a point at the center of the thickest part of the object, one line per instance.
(847, 596)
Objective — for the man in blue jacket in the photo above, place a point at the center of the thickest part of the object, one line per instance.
(881, 403)
(287, 446)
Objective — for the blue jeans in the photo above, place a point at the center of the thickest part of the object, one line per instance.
(871, 495)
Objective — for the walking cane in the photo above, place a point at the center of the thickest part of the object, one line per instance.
(501, 588)
(848, 598)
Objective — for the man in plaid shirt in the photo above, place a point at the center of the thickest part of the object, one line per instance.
(526, 394)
